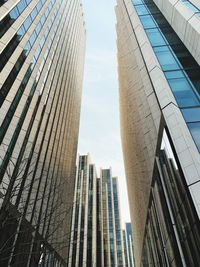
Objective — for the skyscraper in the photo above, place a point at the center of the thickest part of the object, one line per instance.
(128, 246)
(158, 55)
(83, 230)
(42, 47)
(96, 234)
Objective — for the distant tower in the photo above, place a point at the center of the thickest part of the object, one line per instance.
(96, 234)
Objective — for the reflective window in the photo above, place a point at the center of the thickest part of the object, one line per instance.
(34, 13)
(148, 21)
(191, 114)
(183, 92)
(195, 130)
(142, 10)
(166, 58)
(27, 23)
(155, 37)
(21, 6)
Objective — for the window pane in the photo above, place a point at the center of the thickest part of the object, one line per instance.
(191, 114)
(166, 58)
(195, 130)
(148, 22)
(155, 37)
(183, 92)
(141, 10)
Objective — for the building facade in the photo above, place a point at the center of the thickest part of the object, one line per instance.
(128, 246)
(96, 219)
(42, 45)
(158, 55)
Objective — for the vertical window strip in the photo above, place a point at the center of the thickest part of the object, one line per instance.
(184, 87)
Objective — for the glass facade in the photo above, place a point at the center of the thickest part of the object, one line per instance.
(180, 68)
(85, 222)
(42, 54)
(161, 159)
(96, 219)
(118, 231)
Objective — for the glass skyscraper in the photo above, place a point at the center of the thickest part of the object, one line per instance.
(96, 234)
(42, 45)
(128, 245)
(159, 75)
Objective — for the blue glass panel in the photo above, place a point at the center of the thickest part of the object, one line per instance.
(14, 14)
(141, 10)
(155, 37)
(166, 58)
(27, 23)
(38, 28)
(191, 114)
(137, 2)
(32, 38)
(195, 130)
(148, 22)
(21, 6)
(183, 92)
(191, 6)
(34, 13)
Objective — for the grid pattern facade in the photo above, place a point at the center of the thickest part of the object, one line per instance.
(96, 219)
(42, 47)
(84, 224)
(159, 101)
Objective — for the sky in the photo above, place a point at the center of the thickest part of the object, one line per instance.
(99, 128)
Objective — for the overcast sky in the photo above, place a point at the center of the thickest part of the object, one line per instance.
(99, 129)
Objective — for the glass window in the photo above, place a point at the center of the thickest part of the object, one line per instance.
(21, 32)
(39, 6)
(195, 130)
(38, 28)
(191, 6)
(183, 92)
(141, 10)
(42, 20)
(137, 2)
(191, 114)
(170, 35)
(34, 13)
(148, 21)
(155, 37)
(166, 58)
(160, 19)
(27, 23)
(14, 14)
(32, 38)
(21, 6)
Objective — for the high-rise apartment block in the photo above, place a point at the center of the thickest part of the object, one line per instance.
(42, 45)
(96, 236)
(159, 77)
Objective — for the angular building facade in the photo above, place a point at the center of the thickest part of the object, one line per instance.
(96, 234)
(159, 77)
(42, 45)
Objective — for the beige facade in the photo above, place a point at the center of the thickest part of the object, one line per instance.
(43, 43)
(147, 106)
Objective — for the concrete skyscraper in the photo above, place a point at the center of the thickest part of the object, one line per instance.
(96, 236)
(42, 45)
(159, 78)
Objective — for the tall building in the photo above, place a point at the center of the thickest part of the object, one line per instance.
(84, 221)
(128, 246)
(159, 77)
(96, 234)
(42, 47)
